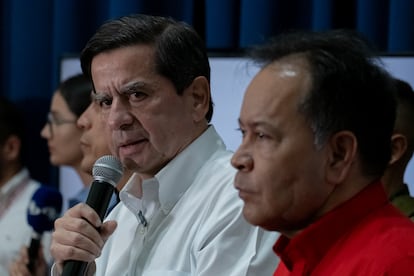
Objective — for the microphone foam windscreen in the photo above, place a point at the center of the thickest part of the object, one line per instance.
(44, 207)
(108, 169)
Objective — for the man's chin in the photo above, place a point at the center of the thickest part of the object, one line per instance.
(129, 164)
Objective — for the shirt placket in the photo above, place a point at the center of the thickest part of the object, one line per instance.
(144, 230)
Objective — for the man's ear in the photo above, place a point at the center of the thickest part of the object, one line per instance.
(398, 147)
(341, 155)
(199, 92)
(11, 148)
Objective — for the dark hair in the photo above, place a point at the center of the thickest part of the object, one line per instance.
(405, 114)
(180, 53)
(350, 90)
(76, 91)
(11, 122)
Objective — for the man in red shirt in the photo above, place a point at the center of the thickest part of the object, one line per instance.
(317, 122)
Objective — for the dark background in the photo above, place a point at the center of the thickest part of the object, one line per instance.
(35, 35)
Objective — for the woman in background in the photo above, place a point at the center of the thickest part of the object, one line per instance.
(69, 101)
(62, 133)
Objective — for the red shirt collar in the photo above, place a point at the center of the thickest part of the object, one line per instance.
(307, 248)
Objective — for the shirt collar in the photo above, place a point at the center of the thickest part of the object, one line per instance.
(175, 178)
(17, 179)
(133, 187)
(309, 247)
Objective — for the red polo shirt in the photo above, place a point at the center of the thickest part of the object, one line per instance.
(364, 236)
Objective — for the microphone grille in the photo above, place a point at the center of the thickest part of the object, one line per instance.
(107, 168)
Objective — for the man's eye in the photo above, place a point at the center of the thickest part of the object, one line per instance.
(137, 95)
(104, 102)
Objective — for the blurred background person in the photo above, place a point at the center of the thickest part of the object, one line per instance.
(69, 101)
(16, 187)
(94, 145)
(402, 150)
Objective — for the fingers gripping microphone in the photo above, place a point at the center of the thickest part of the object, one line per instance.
(44, 207)
(106, 172)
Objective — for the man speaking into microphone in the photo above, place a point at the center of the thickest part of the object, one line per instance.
(179, 213)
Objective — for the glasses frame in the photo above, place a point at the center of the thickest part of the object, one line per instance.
(51, 120)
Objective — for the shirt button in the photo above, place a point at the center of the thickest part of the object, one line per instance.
(141, 230)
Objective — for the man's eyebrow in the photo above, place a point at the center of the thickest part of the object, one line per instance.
(98, 96)
(132, 87)
(126, 89)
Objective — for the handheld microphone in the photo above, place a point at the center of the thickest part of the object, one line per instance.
(107, 171)
(44, 208)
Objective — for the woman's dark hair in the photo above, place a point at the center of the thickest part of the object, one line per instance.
(76, 91)
(11, 122)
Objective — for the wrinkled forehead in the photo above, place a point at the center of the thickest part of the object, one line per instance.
(132, 56)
